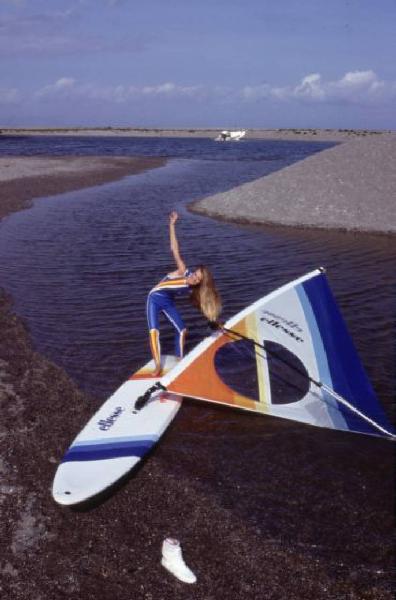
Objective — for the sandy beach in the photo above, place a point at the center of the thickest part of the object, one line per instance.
(24, 178)
(324, 531)
(349, 187)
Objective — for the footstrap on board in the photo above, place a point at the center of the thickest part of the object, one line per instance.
(144, 398)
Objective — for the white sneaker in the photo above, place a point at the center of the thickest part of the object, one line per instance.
(172, 560)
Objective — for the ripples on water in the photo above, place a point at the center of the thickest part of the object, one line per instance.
(79, 266)
(280, 152)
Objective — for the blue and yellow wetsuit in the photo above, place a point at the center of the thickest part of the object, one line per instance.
(161, 300)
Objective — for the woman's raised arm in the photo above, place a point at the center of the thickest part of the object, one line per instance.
(174, 244)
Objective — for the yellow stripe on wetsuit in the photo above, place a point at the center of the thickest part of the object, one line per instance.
(155, 345)
(171, 284)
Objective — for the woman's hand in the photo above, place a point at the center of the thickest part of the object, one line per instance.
(173, 217)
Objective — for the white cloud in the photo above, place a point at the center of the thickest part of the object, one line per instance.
(169, 89)
(355, 87)
(362, 83)
(61, 87)
(69, 87)
(362, 88)
(9, 95)
(310, 87)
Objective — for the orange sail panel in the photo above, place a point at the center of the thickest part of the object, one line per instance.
(201, 378)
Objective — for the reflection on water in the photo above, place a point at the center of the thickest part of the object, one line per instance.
(80, 265)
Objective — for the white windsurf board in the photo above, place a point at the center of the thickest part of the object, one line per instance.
(116, 438)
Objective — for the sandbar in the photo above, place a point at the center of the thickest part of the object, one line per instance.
(301, 134)
(24, 178)
(351, 186)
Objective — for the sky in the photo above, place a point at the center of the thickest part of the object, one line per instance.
(198, 63)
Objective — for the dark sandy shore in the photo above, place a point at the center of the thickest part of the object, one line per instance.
(349, 187)
(318, 524)
(25, 178)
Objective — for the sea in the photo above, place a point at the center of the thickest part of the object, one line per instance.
(79, 265)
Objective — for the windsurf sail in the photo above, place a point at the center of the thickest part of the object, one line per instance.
(287, 355)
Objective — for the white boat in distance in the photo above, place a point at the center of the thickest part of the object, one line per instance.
(230, 136)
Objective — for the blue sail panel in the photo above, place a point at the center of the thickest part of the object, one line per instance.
(339, 364)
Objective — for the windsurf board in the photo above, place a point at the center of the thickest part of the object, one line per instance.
(116, 438)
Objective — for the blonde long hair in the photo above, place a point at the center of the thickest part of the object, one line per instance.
(205, 296)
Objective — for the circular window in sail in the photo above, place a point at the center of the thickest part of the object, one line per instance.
(236, 365)
(289, 380)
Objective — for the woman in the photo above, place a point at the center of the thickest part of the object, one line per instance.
(199, 284)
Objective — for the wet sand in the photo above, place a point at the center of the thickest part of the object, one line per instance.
(349, 187)
(272, 510)
(24, 178)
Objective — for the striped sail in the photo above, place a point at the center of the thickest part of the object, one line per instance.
(289, 355)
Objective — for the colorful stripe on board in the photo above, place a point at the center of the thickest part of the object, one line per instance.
(106, 449)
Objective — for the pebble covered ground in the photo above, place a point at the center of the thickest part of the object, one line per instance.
(351, 187)
(319, 525)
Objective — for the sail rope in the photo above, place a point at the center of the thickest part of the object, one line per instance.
(323, 386)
